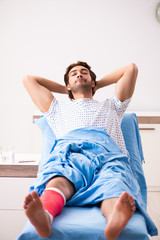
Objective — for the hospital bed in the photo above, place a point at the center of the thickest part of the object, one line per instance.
(87, 222)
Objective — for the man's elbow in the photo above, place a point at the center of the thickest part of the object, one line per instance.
(133, 68)
(26, 79)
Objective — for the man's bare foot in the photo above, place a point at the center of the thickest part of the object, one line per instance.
(122, 212)
(37, 215)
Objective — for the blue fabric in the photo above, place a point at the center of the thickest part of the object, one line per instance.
(48, 138)
(133, 143)
(87, 223)
(90, 159)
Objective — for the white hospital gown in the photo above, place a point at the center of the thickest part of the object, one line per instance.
(65, 116)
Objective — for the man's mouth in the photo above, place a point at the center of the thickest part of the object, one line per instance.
(80, 80)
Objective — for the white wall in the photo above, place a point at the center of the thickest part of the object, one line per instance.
(43, 37)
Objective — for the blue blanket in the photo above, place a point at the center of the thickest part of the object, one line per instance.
(96, 166)
(99, 170)
(94, 163)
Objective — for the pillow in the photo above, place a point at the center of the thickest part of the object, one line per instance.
(133, 143)
(48, 138)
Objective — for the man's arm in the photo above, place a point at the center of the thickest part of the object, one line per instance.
(125, 79)
(40, 90)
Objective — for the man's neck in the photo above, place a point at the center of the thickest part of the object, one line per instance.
(82, 95)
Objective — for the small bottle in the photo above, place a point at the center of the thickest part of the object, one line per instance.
(1, 155)
(11, 155)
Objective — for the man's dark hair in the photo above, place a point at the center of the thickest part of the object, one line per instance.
(79, 63)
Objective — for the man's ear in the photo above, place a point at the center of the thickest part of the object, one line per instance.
(93, 84)
(68, 87)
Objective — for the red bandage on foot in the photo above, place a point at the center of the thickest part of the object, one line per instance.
(53, 201)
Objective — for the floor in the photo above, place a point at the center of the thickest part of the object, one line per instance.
(154, 210)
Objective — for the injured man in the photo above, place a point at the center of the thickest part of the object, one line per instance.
(88, 163)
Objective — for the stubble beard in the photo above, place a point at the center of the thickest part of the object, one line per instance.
(82, 88)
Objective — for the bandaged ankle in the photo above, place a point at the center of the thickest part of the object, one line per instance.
(50, 217)
(53, 201)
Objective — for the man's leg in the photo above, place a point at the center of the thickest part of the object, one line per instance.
(35, 206)
(117, 212)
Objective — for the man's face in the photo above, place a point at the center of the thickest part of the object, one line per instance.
(80, 80)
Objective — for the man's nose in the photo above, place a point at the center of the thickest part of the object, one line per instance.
(79, 75)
